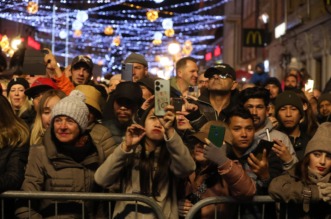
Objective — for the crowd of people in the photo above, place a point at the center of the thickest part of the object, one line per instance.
(65, 132)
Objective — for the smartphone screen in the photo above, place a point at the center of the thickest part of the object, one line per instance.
(127, 71)
(263, 144)
(178, 104)
(216, 135)
(162, 96)
(309, 85)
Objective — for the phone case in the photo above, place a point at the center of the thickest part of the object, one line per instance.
(177, 103)
(263, 144)
(127, 71)
(216, 135)
(33, 63)
(162, 96)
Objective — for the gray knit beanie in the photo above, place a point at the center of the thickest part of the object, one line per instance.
(136, 58)
(321, 141)
(289, 98)
(74, 107)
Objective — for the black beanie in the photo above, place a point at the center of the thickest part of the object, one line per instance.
(20, 81)
(288, 98)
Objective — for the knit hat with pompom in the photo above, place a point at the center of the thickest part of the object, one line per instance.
(74, 107)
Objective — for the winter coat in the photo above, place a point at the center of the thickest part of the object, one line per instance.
(50, 170)
(112, 173)
(206, 111)
(275, 169)
(12, 166)
(275, 134)
(227, 180)
(288, 188)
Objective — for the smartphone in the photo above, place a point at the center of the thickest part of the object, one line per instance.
(177, 103)
(162, 96)
(193, 91)
(216, 135)
(263, 144)
(309, 85)
(127, 71)
(33, 62)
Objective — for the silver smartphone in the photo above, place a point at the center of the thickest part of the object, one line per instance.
(127, 71)
(162, 96)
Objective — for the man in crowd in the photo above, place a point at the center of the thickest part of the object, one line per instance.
(186, 75)
(221, 96)
(140, 66)
(289, 112)
(256, 100)
(324, 108)
(261, 170)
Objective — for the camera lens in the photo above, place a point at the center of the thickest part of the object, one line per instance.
(157, 88)
(157, 83)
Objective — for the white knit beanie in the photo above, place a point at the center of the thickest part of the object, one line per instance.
(74, 107)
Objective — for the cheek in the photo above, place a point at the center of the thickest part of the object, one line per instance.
(45, 120)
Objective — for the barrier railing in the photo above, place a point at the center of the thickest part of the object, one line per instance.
(223, 200)
(82, 196)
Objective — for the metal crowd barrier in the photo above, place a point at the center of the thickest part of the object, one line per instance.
(224, 200)
(82, 196)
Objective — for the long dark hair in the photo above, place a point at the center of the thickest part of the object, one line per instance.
(148, 172)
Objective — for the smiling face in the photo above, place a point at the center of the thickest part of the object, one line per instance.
(320, 162)
(17, 96)
(189, 73)
(66, 129)
(154, 129)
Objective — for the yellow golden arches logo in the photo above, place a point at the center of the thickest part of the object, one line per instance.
(254, 37)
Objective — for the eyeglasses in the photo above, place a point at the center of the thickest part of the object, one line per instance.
(222, 76)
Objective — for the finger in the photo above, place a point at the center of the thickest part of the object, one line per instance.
(207, 140)
(251, 163)
(253, 158)
(264, 155)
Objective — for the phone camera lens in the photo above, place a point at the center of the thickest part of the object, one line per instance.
(157, 83)
(157, 88)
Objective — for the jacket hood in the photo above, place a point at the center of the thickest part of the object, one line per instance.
(263, 132)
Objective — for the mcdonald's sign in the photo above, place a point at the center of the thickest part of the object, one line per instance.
(254, 37)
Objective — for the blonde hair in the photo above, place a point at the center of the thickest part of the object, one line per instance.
(26, 106)
(38, 130)
(13, 131)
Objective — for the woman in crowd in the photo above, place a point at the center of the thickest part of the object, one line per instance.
(307, 186)
(14, 137)
(150, 159)
(43, 117)
(65, 161)
(19, 101)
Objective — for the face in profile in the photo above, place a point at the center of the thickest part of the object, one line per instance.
(139, 72)
(47, 110)
(320, 162)
(189, 73)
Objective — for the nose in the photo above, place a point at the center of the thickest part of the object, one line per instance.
(323, 159)
(243, 133)
(63, 125)
(253, 111)
(288, 112)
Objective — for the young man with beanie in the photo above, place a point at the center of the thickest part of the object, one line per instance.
(140, 66)
(306, 188)
(289, 113)
(256, 100)
(66, 161)
(219, 99)
(324, 108)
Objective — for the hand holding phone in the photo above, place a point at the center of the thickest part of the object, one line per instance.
(263, 144)
(177, 103)
(216, 135)
(309, 86)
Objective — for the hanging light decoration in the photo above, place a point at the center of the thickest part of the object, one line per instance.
(117, 40)
(108, 30)
(157, 42)
(152, 15)
(77, 25)
(187, 48)
(32, 7)
(169, 32)
(63, 34)
(4, 43)
(167, 23)
(77, 33)
(82, 16)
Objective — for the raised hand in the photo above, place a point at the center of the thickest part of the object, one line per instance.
(167, 121)
(133, 135)
(259, 167)
(281, 151)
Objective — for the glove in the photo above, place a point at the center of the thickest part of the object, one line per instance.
(324, 191)
(214, 154)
